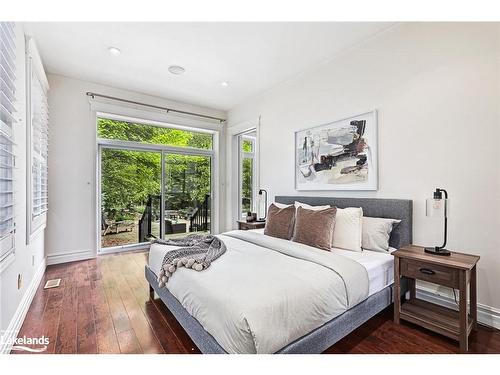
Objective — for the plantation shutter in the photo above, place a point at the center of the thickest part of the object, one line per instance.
(7, 123)
(39, 124)
(39, 129)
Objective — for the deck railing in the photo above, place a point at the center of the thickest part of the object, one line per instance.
(199, 220)
(145, 221)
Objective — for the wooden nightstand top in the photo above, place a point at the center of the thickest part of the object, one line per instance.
(243, 224)
(455, 260)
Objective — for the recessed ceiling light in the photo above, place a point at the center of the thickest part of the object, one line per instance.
(225, 83)
(176, 69)
(114, 51)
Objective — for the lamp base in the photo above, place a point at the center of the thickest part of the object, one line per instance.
(437, 251)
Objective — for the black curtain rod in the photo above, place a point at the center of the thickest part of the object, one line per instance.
(93, 95)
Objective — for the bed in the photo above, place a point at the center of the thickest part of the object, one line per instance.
(240, 313)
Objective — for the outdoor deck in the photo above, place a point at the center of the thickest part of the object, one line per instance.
(131, 237)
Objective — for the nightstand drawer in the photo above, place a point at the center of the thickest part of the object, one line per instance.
(430, 272)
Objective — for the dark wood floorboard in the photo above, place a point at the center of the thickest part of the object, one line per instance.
(103, 306)
(66, 341)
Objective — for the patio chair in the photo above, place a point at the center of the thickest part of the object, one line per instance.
(115, 227)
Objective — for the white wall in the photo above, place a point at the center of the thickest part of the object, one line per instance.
(28, 258)
(71, 219)
(436, 89)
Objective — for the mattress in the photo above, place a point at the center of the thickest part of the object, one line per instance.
(379, 266)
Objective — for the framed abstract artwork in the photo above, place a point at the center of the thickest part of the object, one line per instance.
(340, 155)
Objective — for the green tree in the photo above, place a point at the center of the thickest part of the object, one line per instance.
(129, 177)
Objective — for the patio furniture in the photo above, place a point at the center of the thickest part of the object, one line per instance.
(115, 227)
(174, 228)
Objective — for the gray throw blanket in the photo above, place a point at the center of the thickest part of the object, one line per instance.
(198, 251)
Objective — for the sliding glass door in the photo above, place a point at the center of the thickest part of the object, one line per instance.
(187, 194)
(155, 182)
(130, 196)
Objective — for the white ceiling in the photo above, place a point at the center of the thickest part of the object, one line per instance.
(252, 57)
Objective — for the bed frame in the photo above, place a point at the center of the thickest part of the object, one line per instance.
(328, 334)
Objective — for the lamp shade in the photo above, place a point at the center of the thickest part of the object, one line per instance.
(437, 207)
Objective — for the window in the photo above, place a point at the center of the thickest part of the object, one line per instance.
(127, 131)
(38, 116)
(155, 181)
(247, 175)
(7, 123)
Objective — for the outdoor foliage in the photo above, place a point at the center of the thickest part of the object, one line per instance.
(247, 146)
(246, 186)
(246, 182)
(129, 177)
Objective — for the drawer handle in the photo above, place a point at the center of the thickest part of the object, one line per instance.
(427, 271)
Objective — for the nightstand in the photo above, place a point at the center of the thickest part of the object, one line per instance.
(244, 225)
(456, 271)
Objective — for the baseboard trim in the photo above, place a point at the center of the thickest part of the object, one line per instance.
(486, 315)
(70, 257)
(17, 320)
(123, 249)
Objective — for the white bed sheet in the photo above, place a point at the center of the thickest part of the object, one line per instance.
(379, 266)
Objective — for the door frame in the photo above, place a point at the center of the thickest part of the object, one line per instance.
(102, 143)
(127, 247)
(247, 155)
(232, 166)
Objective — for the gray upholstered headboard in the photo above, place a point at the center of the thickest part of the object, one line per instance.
(401, 209)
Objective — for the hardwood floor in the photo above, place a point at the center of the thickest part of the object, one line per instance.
(103, 306)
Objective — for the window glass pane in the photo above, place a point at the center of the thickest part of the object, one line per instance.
(130, 196)
(126, 131)
(247, 146)
(187, 194)
(247, 186)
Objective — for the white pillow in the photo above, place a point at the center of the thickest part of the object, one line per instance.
(347, 233)
(376, 233)
(281, 205)
(308, 207)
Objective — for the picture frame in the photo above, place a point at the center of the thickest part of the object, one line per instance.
(339, 155)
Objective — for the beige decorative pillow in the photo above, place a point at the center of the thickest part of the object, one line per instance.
(376, 233)
(348, 229)
(315, 227)
(280, 221)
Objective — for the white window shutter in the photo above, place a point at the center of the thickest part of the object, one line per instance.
(7, 123)
(38, 126)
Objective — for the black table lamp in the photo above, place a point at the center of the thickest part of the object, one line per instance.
(265, 206)
(437, 206)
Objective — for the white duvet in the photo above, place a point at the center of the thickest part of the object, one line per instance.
(264, 292)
